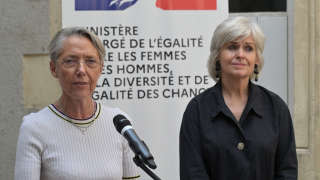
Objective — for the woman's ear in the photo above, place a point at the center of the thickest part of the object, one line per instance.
(53, 69)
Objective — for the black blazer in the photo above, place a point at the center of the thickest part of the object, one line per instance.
(215, 146)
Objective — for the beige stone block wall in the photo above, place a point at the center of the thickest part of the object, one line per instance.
(40, 88)
(307, 85)
(55, 16)
(301, 75)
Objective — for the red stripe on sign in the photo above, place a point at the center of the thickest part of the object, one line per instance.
(187, 4)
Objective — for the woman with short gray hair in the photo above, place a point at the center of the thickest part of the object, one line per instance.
(237, 129)
(74, 137)
(235, 28)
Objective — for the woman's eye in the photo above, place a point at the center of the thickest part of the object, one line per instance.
(249, 48)
(68, 61)
(91, 62)
(232, 47)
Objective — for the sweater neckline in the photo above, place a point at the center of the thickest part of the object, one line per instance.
(80, 122)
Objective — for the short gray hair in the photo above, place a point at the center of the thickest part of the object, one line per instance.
(230, 30)
(56, 44)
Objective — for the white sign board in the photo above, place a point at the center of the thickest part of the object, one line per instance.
(157, 52)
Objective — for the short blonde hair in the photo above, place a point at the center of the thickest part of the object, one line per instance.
(229, 30)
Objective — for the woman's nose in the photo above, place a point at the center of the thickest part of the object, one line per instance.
(81, 68)
(240, 52)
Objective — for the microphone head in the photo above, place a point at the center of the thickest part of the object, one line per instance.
(120, 122)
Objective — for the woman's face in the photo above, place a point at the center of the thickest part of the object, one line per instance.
(78, 68)
(237, 58)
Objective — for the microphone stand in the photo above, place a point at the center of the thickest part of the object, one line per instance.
(140, 163)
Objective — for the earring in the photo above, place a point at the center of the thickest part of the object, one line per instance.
(256, 72)
(218, 69)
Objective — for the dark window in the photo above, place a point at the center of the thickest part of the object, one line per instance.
(257, 5)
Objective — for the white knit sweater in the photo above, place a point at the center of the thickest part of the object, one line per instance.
(51, 148)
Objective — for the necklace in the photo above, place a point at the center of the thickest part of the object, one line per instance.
(81, 124)
(83, 128)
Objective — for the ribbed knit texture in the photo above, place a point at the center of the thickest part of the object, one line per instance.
(50, 148)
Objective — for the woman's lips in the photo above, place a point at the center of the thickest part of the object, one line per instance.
(238, 64)
(80, 83)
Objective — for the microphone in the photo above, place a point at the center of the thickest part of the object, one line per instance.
(137, 145)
